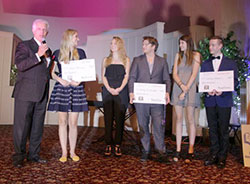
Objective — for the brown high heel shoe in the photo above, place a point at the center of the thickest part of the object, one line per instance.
(118, 152)
(108, 150)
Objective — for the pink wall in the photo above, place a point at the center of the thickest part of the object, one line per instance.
(95, 16)
(63, 8)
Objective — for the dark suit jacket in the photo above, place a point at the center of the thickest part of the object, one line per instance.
(33, 76)
(139, 72)
(225, 99)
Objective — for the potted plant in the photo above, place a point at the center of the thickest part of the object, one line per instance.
(13, 74)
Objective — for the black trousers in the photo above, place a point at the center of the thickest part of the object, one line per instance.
(218, 123)
(28, 123)
(114, 110)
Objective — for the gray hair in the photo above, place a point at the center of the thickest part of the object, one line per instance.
(39, 21)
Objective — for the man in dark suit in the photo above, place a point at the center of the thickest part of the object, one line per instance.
(31, 94)
(150, 68)
(218, 104)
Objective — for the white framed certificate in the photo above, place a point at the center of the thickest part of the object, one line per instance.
(79, 70)
(149, 93)
(220, 81)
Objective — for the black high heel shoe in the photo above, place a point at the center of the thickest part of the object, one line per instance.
(177, 156)
(108, 150)
(118, 152)
(189, 158)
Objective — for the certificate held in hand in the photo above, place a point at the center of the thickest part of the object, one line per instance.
(149, 93)
(79, 70)
(220, 81)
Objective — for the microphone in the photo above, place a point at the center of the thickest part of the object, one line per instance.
(48, 52)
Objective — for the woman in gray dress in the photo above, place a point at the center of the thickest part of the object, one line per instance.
(184, 94)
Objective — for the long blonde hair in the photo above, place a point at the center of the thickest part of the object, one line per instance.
(189, 51)
(121, 52)
(67, 46)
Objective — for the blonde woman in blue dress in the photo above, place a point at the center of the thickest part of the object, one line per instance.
(68, 98)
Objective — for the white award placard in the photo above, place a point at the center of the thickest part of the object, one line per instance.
(149, 93)
(220, 81)
(79, 70)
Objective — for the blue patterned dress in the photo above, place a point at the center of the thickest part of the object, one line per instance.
(70, 98)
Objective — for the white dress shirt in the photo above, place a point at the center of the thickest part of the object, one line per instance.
(217, 62)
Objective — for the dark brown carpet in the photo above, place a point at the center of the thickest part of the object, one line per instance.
(95, 168)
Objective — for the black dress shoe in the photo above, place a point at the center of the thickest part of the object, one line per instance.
(221, 164)
(211, 160)
(144, 157)
(162, 158)
(38, 160)
(18, 164)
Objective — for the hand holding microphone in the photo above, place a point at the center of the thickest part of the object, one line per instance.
(42, 49)
(48, 52)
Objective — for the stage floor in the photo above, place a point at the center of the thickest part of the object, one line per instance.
(95, 168)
